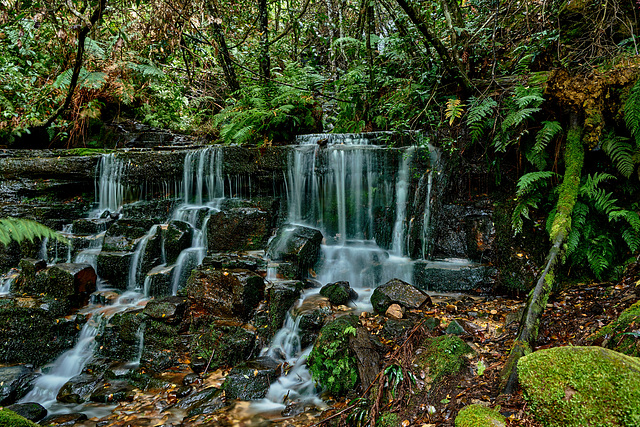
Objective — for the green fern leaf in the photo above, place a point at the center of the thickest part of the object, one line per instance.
(515, 118)
(479, 110)
(620, 151)
(93, 48)
(533, 181)
(19, 229)
(632, 112)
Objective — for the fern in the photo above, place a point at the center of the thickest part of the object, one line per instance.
(146, 68)
(600, 255)
(620, 151)
(478, 112)
(578, 221)
(528, 96)
(86, 79)
(529, 195)
(93, 48)
(532, 181)
(543, 138)
(516, 118)
(454, 110)
(632, 112)
(19, 229)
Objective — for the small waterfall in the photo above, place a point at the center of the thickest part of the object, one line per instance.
(140, 336)
(399, 245)
(90, 255)
(138, 258)
(109, 187)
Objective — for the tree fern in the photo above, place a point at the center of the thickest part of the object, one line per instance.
(632, 112)
(86, 79)
(620, 151)
(19, 229)
(93, 48)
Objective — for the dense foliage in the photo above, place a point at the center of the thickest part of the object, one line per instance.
(496, 81)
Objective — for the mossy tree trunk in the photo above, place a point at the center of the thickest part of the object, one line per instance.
(537, 301)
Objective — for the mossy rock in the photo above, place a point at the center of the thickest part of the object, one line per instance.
(578, 386)
(230, 342)
(621, 335)
(120, 338)
(331, 361)
(442, 356)
(388, 419)
(479, 416)
(11, 419)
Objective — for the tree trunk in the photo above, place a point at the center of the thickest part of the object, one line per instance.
(537, 301)
(77, 67)
(431, 40)
(223, 52)
(264, 60)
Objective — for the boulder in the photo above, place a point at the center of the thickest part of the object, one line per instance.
(161, 346)
(233, 260)
(9, 418)
(203, 402)
(442, 357)
(121, 336)
(339, 293)
(159, 281)
(238, 229)
(231, 343)
(297, 244)
(114, 268)
(124, 234)
(453, 276)
(71, 281)
(621, 334)
(79, 388)
(113, 391)
(251, 380)
(281, 297)
(15, 382)
(177, 236)
(168, 310)
(224, 293)
(30, 410)
(312, 312)
(578, 386)
(28, 269)
(398, 292)
(479, 416)
(91, 226)
(63, 420)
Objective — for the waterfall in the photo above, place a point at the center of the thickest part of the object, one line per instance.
(109, 186)
(138, 258)
(402, 188)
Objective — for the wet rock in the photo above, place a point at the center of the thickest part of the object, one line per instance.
(622, 334)
(177, 236)
(190, 379)
(31, 410)
(91, 226)
(159, 281)
(63, 420)
(114, 267)
(239, 229)
(251, 380)
(33, 335)
(104, 297)
(74, 282)
(464, 231)
(398, 292)
(479, 415)
(574, 386)
(455, 328)
(233, 261)
(124, 234)
(79, 388)
(204, 402)
(297, 244)
(161, 346)
(224, 293)
(113, 391)
(158, 211)
(281, 297)
(394, 312)
(366, 351)
(396, 329)
(313, 313)
(28, 269)
(230, 342)
(453, 276)
(15, 383)
(339, 293)
(168, 310)
(120, 338)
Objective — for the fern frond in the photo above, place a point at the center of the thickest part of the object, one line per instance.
(632, 239)
(478, 112)
(600, 254)
(578, 220)
(533, 181)
(19, 229)
(632, 112)
(93, 48)
(544, 136)
(620, 151)
(454, 110)
(530, 96)
(632, 218)
(592, 182)
(515, 118)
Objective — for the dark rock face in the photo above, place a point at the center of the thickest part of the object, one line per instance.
(231, 343)
(119, 340)
(15, 382)
(433, 276)
(114, 268)
(281, 297)
(159, 281)
(224, 293)
(162, 346)
(204, 402)
(168, 310)
(398, 292)
(74, 282)
(296, 244)
(339, 293)
(177, 237)
(64, 420)
(251, 380)
(78, 389)
(124, 234)
(28, 269)
(234, 260)
(238, 229)
(464, 232)
(312, 312)
(31, 410)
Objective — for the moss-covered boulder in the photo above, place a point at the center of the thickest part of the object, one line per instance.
(281, 297)
(114, 268)
(169, 310)
(251, 380)
(29, 267)
(579, 386)
(396, 291)
(331, 362)
(238, 229)
(622, 334)
(177, 236)
(124, 234)
(121, 336)
(224, 293)
(442, 356)
(222, 345)
(313, 312)
(479, 416)
(69, 281)
(339, 293)
(9, 418)
(161, 346)
(30, 410)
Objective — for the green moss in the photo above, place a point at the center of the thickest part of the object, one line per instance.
(443, 355)
(479, 416)
(11, 419)
(231, 344)
(578, 386)
(331, 362)
(621, 334)
(388, 419)
(82, 151)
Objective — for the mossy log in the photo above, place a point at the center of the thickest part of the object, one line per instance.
(537, 301)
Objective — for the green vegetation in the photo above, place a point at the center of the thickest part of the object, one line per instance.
(11, 419)
(331, 362)
(443, 355)
(479, 416)
(577, 386)
(19, 229)
(622, 334)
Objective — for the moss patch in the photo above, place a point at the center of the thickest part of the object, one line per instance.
(578, 386)
(11, 419)
(443, 355)
(479, 416)
(621, 335)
